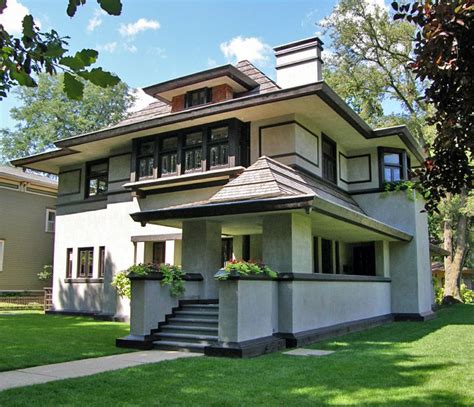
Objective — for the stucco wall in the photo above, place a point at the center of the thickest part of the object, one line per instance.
(27, 246)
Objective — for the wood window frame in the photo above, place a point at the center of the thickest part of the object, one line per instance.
(69, 262)
(404, 167)
(101, 262)
(237, 141)
(189, 95)
(162, 151)
(90, 176)
(87, 273)
(2, 253)
(159, 249)
(140, 156)
(217, 143)
(47, 226)
(325, 158)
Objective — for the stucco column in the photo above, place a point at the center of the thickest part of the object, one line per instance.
(201, 252)
(382, 258)
(287, 243)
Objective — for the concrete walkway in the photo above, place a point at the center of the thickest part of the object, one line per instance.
(85, 367)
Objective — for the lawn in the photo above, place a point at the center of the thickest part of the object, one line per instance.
(409, 363)
(32, 339)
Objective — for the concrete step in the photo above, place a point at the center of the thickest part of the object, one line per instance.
(198, 330)
(196, 314)
(181, 346)
(214, 323)
(187, 337)
(200, 307)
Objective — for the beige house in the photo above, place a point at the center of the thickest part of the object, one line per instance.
(27, 221)
(227, 163)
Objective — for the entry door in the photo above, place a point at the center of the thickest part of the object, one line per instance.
(159, 251)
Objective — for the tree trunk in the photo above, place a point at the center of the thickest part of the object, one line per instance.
(454, 262)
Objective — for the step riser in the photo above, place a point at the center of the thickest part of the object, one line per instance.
(170, 329)
(190, 322)
(185, 340)
(214, 309)
(177, 348)
(198, 315)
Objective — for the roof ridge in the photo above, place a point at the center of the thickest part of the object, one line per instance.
(259, 70)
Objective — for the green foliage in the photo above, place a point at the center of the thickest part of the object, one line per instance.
(245, 268)
(38, 52)
(47, 114)
(439, 292)
(466, 294)
(46, 273)
(172, 276)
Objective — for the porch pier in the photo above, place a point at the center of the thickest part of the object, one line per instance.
(201, 252)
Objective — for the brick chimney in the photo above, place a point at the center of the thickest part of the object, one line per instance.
(299, 63)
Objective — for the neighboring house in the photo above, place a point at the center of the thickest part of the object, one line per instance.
(467, 275)
(230, 164)
(27, 219)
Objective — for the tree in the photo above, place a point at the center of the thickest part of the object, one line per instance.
(47, 114)
(444, 55)
(35, 52)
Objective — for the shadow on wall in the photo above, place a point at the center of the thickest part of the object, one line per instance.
(90, 296)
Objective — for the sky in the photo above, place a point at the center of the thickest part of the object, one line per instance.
(155, 40)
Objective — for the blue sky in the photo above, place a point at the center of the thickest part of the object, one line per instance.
(153, 41)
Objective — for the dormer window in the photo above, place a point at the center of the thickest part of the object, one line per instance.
(394, 164)
(198, 97)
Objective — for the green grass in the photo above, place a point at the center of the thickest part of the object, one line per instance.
(32, 338)
(410, 363)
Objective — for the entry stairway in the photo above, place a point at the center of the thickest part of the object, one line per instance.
(191, 327)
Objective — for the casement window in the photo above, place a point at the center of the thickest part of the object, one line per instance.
(394, 165)
(329, 160)
(168, 156)
(97, 175)
(198, 97)
(69, 263)
(326, 256)
(101, 261)
(146, 159)
(2, 253)
(50, 221)
(218, 147)
(85, 262)
(193, 151)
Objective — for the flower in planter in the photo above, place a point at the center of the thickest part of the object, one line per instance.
(244, 268)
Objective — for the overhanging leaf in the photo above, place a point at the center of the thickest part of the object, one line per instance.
(100, 78)
(72, 6)
(3, 5)
(80, 60)
(73, 87)
(28, 26)
(22, 78)
(113, 7)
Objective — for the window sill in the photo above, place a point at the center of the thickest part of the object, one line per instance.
(83, 280)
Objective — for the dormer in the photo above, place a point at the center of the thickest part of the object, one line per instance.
(210, 86)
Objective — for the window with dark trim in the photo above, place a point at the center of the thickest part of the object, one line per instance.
(393, 164)
(198, 97)
(69, 263)
(326, 256)
(145, 159)
(193, 151)
(85, 263)
(168, 156)
(329, 159)
(101, 261)
(97, 175)
(218, 147)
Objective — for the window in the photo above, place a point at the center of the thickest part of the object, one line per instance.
(50, 220)
(101, 261)
(97, 178)
(364, 259)
(2, 251)
(85, 262)
(329, 160)
(218, 146)
(227, 250)
(198, 97)
(169, 156)
(159, 252)
(69, 263)
(193, 152)
(393, 165)
(146, 159)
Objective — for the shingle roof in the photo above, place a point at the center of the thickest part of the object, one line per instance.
(159, 108)
(267, 178)
(19, 174)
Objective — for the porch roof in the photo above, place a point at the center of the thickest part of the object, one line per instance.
(269, 186)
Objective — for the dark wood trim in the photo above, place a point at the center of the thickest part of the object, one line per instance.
(120, 154)
(331, 277)
(81, 280)
(79, 182)
(111, 181)
(300, 44)
(299, 62)
(101, 198)
(421, 317)
(326, 139)
(351, 157)
(89, 164)
(156, 238)
(293, 154)
(307, 337)
(366, 191)
(404, 164)
(246, 349)
(225, 208)
(184, 187)
(87, 276)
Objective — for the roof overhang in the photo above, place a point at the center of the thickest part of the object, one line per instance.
(226, 74)
(313, 96)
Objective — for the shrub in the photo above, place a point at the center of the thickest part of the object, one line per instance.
(438, 290)
(466, 294)
(46, 273)
(245, 268)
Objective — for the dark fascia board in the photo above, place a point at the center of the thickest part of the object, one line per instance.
(320, 89)
(25, 161)
(435, 250)
(405, 135)
(225, 208)
(226, 70)
(298, 43)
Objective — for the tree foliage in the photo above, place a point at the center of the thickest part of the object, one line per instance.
(47, 114)
(21, 58)
(444, 55)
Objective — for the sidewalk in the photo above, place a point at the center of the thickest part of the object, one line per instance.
(85, 367)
